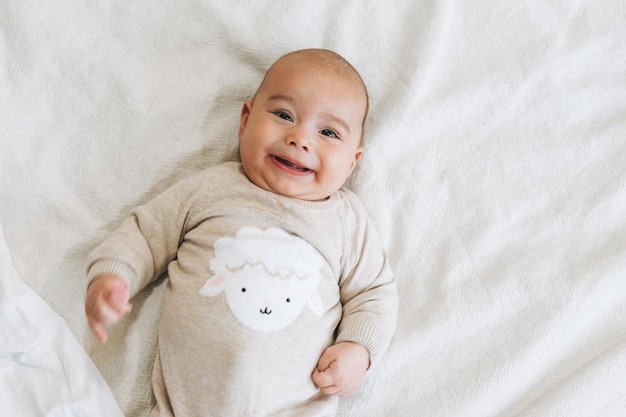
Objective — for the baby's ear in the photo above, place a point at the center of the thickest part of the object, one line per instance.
(357, 156)
(213, 286)
(245, 113)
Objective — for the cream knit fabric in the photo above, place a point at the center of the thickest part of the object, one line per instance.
(259, 285)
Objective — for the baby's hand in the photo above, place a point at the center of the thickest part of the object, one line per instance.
(341, 368)
(106, 303)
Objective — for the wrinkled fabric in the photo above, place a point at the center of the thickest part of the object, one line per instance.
(493, 167)
(44, 371)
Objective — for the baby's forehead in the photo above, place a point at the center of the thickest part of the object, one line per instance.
(304, 64)
(281, 78)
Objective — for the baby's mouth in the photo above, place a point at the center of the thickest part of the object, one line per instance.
(290, 164)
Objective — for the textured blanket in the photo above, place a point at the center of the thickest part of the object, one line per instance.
(44, 371)
(494, 170)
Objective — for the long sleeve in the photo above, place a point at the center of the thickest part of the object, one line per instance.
(368, 293)
(140, 250)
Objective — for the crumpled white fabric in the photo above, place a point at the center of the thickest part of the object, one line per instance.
(44, 371)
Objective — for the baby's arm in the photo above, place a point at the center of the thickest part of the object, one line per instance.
(369, 312)
(135, 254)
(341, 368)
(106, 303)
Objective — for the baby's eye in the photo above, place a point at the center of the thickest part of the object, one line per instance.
(288, 300)
(283, 115)
(329, 133)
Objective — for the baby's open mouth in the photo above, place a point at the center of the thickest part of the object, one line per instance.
(290, 165)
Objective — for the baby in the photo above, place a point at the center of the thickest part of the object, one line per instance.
(280, 295)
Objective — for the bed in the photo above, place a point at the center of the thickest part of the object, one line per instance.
(494, 170)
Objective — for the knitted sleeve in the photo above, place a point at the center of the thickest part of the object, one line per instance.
(368, 292)
(140, 250)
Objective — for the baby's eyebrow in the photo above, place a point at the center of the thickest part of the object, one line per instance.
(338, 120)
(280, 97)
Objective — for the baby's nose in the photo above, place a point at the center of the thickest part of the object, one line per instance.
(299, 138)
(300, 144)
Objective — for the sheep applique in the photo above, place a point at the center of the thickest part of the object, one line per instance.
(268, 277)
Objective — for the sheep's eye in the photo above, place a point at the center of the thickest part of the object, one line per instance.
(243, 290)
(288, 300)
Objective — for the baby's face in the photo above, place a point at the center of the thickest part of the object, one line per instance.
(300, 136)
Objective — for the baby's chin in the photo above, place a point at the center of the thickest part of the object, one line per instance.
(299, 194)
(312, 197)
(291, 188)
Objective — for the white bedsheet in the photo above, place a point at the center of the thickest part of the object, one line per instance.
(44, 371)
(494, 168)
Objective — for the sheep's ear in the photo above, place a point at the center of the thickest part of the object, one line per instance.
(213, 286)
(315, 302)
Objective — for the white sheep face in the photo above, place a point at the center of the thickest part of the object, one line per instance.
(260, 298)
(262, 302)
